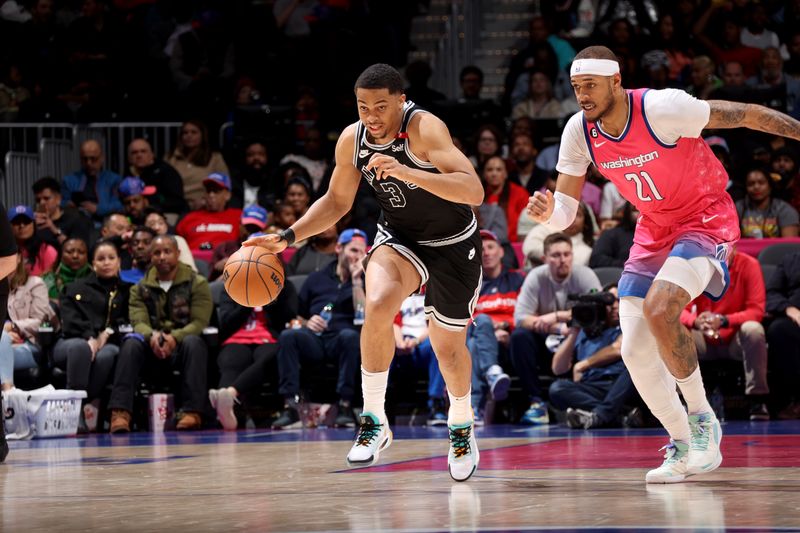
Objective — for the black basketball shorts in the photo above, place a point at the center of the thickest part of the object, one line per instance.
(451, 273)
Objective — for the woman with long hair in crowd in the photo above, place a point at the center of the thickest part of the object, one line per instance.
(760, 215)
(39, 257)
(92, 311)
(512, 198)
(194, 160)
(28, 308)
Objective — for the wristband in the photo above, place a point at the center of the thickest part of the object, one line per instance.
(287, 235)
(564, 211)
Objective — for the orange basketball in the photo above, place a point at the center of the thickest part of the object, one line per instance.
(253, 276)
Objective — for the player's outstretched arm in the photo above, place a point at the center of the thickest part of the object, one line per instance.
(332, 206)
(557, 211)
(430, 139)
(725, 114)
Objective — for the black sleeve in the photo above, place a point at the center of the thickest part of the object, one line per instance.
(282, 310)
(8, 245)
(74, 322)
(232, 316)
(604, 253)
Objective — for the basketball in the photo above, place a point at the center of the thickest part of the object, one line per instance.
(253, 276)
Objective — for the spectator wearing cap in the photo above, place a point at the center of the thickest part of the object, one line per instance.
(341, 286)
(157, 172)
(722, 152)
(216, 223)
(39, 256)
(492, 324)
(54, 223)
(92, 189)
(135, 198)
(254, 220)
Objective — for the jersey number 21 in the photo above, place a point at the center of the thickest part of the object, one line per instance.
(643, 195)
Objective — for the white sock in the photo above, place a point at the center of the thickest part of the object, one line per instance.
(648, 372)
(694, 393)
(373, 387)
(460, 409)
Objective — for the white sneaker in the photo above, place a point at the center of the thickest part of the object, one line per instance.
(704, 452)
(499, 382)
(222, 400)
(372, 438)
(463, 458)
(674, 468)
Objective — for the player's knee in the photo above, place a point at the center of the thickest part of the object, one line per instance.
(662, 310)
(380, 303)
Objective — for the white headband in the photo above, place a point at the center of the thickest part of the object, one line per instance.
(599, 67)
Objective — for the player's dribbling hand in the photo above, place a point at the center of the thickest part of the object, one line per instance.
(272, 242)
(385, 166)
(540, 206)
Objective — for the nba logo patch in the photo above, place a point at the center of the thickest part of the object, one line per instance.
(721, 253)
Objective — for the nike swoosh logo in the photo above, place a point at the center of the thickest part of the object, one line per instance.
(707, 219)
(598, 145)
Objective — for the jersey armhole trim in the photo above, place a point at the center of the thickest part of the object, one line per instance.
(406, 147)
(585, 129)
(650, 129)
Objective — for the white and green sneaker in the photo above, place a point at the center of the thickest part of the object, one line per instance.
(674, 469)
(463, 458)
(372, 438)
(704, 452)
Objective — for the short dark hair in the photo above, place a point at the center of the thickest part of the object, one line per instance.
(596, 52)
(168, 237)
(145, 229)
(47, 182)
(380, 76)
(471, 69)
(553, 238)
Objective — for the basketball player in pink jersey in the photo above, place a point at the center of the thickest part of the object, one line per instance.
(648, 143)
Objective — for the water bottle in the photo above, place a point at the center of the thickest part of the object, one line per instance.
(358, 317)
(326, 314)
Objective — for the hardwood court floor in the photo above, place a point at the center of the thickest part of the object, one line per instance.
(551, 478)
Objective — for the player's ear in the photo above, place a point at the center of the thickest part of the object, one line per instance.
(402, 99)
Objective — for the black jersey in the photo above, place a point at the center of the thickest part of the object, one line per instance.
(408, 209)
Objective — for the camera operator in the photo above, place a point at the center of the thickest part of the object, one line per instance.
(600, 384)
(541, 311)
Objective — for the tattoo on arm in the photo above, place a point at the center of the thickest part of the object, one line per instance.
(726, 114)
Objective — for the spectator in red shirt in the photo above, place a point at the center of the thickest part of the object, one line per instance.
(731, 328)
(512, 198)
(205, 228)
(492, 323)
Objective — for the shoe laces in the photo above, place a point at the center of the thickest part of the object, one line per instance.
(700, 436)
(367, 433)
(459, 440)
(670, 455)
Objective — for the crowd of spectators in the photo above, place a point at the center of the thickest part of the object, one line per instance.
(120, 266)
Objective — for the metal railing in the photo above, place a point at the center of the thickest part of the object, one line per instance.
(456, 47)
(31, 151)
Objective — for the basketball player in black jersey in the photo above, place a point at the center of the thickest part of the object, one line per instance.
(428, 236)
(8, 263)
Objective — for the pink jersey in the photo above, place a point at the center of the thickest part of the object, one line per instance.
(669, 184)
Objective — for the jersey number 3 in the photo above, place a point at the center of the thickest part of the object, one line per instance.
(640, 187)
(393, 189)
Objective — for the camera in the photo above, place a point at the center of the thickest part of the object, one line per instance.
(590, 312)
